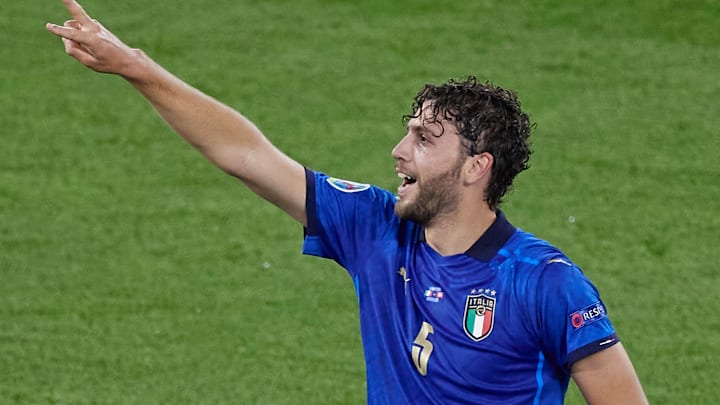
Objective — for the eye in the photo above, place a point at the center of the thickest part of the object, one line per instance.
(422, 139)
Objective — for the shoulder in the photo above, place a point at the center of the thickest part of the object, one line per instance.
(537, 265)
(530, 254)
(322, 185)
(335, 203)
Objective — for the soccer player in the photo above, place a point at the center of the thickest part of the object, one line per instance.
(457, 305)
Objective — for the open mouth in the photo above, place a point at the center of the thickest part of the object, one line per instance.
(406, 179)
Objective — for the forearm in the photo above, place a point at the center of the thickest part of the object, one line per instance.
(223, 135)
(220, 133)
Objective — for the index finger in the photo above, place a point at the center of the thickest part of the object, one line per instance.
(77, 12)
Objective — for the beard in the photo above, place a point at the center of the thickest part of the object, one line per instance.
(435, 196)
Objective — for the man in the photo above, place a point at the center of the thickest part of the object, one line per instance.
(456, 304)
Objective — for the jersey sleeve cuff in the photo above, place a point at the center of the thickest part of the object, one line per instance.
(592, 348)
(313, 226)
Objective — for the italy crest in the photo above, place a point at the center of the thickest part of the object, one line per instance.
(479, 316)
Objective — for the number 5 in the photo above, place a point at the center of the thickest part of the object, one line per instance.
(422, 348)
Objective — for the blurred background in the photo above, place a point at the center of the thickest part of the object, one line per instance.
(133, 271)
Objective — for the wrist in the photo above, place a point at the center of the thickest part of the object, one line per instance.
(138, 70)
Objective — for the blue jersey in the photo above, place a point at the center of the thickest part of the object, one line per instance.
(500, 324)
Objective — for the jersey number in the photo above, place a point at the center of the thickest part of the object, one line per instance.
(422, 348)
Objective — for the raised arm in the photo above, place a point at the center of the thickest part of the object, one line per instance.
(224, 136)
(608, 378)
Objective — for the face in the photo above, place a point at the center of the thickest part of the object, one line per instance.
(429, 161)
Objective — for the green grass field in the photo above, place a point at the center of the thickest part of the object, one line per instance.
(134, 272)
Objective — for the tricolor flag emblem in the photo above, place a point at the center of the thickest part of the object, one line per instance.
(479, 316)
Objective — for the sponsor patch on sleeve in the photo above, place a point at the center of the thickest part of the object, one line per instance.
(589, 314)
(347, 186)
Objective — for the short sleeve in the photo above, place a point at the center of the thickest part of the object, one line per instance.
(344, 217)
(573, 319)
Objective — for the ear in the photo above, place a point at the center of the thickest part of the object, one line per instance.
(480, 167)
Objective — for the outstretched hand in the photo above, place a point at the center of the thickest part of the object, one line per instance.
(92, 44)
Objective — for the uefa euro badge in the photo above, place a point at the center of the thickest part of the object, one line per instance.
(347, 186)
(479, 316)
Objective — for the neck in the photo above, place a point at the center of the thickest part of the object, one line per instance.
(455, 234)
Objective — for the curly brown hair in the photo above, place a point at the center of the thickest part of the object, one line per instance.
(489, 119)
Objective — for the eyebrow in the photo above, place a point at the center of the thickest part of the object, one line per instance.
(423, 130)
(417, 128)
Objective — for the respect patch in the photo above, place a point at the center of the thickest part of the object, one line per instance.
(589, 314)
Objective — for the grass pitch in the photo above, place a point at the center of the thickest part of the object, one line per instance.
(134, 272)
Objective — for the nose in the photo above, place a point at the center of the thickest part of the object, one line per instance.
(401, 150)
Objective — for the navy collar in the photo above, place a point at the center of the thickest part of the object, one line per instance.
(494, 238)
